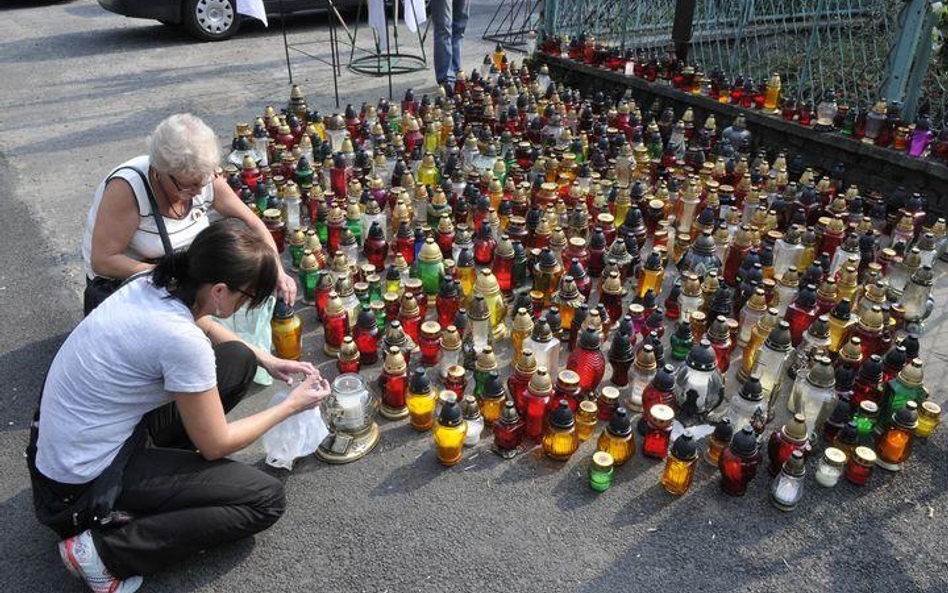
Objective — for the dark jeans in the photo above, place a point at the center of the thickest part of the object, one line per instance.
(177, 502)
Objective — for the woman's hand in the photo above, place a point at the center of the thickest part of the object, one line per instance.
(286, 286)
(308, 394)
(284, 370)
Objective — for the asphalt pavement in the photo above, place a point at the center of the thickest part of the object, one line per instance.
(82, 87)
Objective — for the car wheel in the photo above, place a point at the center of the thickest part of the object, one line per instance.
(211, 20)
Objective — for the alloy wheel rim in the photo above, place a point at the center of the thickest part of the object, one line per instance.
(214, 16)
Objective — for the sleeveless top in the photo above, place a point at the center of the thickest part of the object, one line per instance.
(146, 244)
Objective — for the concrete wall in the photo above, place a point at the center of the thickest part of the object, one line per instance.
(872, 168)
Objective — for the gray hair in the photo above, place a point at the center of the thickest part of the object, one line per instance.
(184, 145)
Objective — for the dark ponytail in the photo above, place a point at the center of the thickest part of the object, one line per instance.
(225, 252)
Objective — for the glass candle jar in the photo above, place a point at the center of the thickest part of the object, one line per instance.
(587, 361)
(420, 400)
(787, 488)
(616, 439)
(350, 408)
(348, 359)
(508, 432)
(492, 398)
(335, 324)
(607, 402)
(658, 434)
(561, 440)
(287, 330)
(537, 399)
(429, 342)
(830, 469)
(929, 417)
(859, 468)
(567, 387)
(473, 419)
(601, 471)
(680, 465)
(738, 462)
(393, 384)
(895, 445)
(718, 441)
(449, 431)
(586, 419)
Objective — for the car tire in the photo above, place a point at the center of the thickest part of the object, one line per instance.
(211, 20)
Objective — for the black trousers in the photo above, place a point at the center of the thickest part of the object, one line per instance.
(177, 502)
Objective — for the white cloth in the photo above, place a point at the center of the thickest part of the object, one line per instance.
(123, 360)
(146, 242)
(253, 8)
(415, 14)
(377, 22)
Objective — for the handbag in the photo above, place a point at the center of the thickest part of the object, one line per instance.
(100, 288)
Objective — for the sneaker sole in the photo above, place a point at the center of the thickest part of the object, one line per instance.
(65, 554)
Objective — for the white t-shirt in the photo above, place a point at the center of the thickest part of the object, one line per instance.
(122, 361)
(146, 243)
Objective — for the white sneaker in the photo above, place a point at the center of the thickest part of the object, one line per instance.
(79, 555)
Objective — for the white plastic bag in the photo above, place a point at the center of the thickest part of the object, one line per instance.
(297, 436)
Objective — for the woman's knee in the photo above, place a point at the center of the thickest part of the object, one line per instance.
(271, 501)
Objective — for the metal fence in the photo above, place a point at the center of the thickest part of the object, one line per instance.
(845, 45)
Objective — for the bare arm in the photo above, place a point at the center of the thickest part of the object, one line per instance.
(228, 204)
(115, 225)
(279, 368)
(207, 426)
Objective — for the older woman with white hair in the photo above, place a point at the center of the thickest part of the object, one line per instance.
(159, 202)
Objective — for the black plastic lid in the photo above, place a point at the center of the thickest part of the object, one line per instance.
(282, 310)
(701, 357)
(547, 258)
(653, 261)
(871, 369)
(907, 417)
(845, 377)
(807, 297)
(392, 273)
(554, 318)
(420, 383)
(685, 447)
(896, 357)
(465, 258)
(849, 433)
(450, 413)
(911, 346)
(621, 348)
(683, 330)
(724, 430)
(752, 389)
(589, 340)
(366, 319)
(744, 442)
(375, 231)
(562, 417)
(493, 386)
(841, 413)
(779, 338)
(842, 310)
(620, 424)
(664, 379)
(648, 299)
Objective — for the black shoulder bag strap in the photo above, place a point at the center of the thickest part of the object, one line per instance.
(159, 219)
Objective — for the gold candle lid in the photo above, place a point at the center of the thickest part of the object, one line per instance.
(602, 461)
(929, 409)
(540, 382)
(408, 306)
(661, 415)
(430, 252)
(610, 394)
(589, 408)
(450, 338)
(864, 456)
(394, 360)
(527, 363)
(431, 329)
(334, 305)
(486, 360)
(298, 238)
(348, 351)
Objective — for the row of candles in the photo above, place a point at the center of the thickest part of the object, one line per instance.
(808, 276)
(880, 123)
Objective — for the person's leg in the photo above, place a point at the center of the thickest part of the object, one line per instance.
(183, 504)
(441, 14)
(459, 24)
(236, 365)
